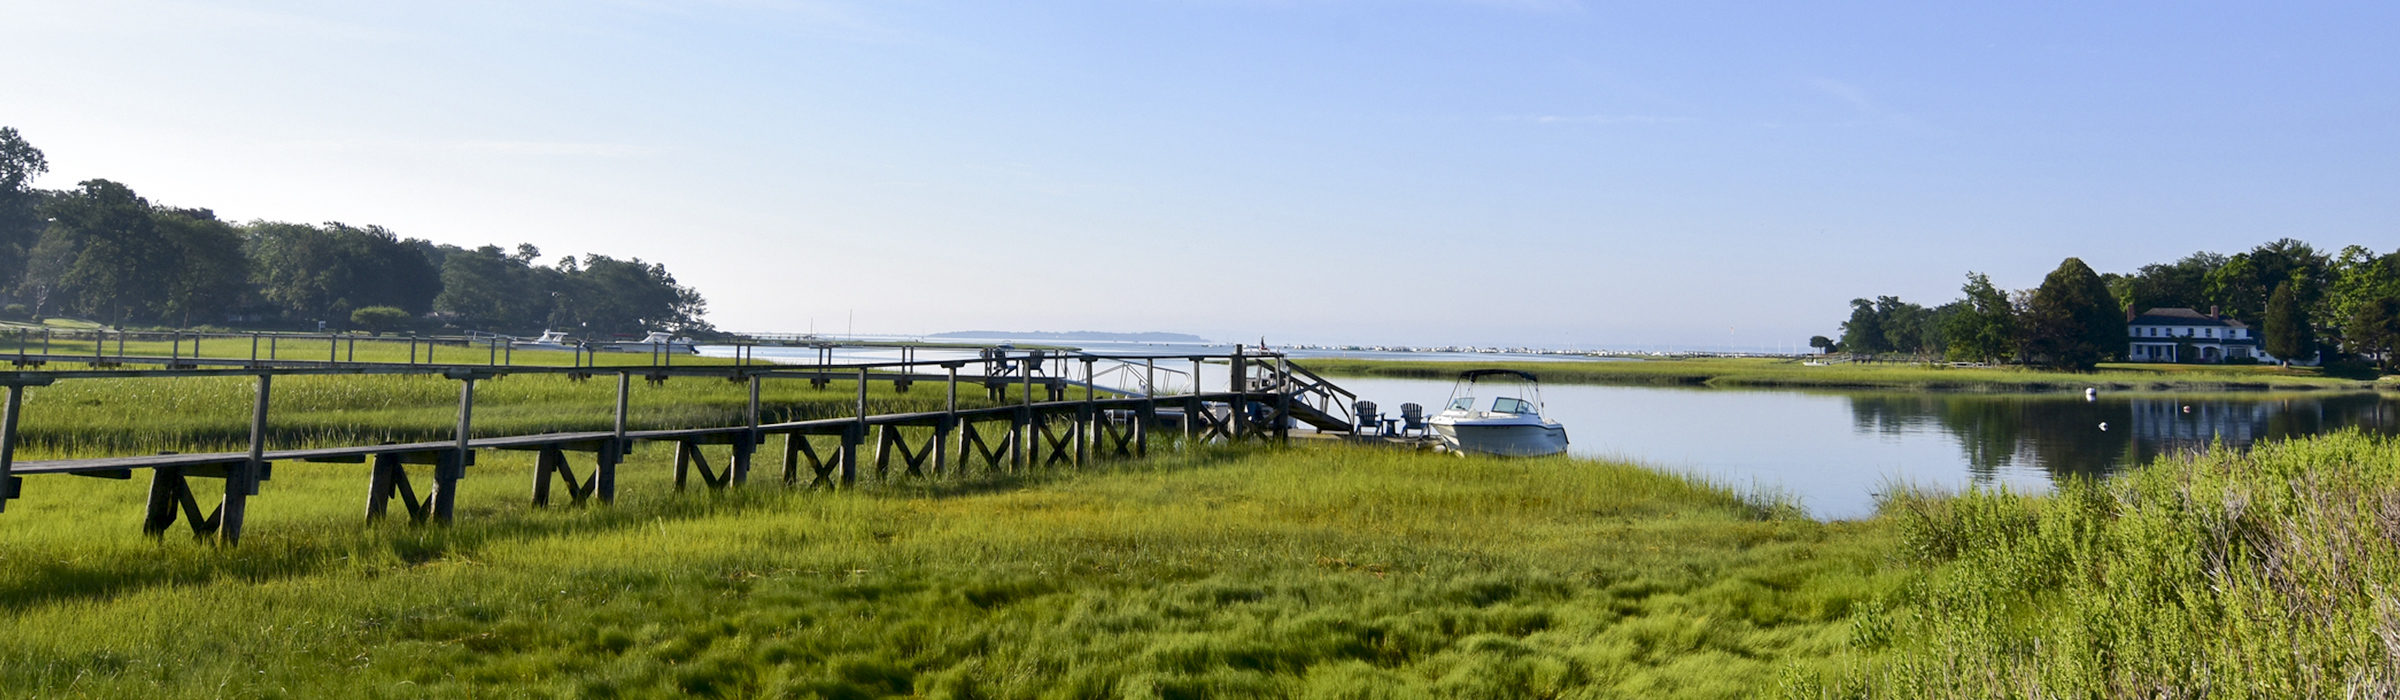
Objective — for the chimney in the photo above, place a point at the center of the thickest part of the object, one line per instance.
(2213, 311)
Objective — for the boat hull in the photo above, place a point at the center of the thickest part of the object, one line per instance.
(1505, 439)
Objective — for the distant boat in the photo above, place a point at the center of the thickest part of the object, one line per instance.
(1510, 426)
(656, 341)
(550, 340)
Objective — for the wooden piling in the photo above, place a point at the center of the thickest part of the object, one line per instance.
(10, 485)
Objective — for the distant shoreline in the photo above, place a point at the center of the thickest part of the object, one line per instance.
(1770, 374)
(1143, 337)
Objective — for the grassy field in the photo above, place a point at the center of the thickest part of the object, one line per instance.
(1313, 572)
(1765, 373)
(1325, 572)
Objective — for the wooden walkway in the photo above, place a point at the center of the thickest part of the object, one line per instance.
(1267, 395)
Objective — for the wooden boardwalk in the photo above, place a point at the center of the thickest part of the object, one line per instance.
(1266, 396)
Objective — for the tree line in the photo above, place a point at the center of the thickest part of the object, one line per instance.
(2302, 304)
(100, 251)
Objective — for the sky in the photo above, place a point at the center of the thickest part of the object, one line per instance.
(1520, 172)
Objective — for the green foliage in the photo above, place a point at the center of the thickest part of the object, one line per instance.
(2289, 333)
(2374, 330)
(2242, 285)
(1888, 324)
(2218, 574)
(20, 225)
(1863, 333)
(2072, 321)
(104, 255)
(324, 272)
(2180, 284)
(1984, 329)
(380, 319)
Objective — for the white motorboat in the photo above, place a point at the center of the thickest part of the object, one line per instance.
(550, 340)
(1510, 426)
(656, 341)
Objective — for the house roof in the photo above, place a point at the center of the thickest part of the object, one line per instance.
(2178, 316)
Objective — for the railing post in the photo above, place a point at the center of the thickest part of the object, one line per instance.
(949, 428)
(1193, 406)
(857, 436)
(1283, 401)
(446, 476)
(1084, 429)
(617, 445)
(742, 452)
(239, 487)
(9, 483)
(1240, 386)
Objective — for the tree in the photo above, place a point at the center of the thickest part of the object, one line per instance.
(2374, 331)
(1985, 329)
(1906, 326)
(2241, 286)
(1864, 331)
(2359, 277)
(102, 253)
(2180, 284)
(606, 295)
(2072, 321)
(2289, 334)
(1821, 343)
(324, 272)
(20, 224)
(487, 287)
(212, 273)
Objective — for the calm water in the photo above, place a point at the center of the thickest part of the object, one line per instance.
(1835, 450)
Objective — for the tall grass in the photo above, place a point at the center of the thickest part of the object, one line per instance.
(1333, 572)
(2269, 574)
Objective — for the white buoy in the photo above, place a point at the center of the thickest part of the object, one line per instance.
(2091, 393)
(2103, 426)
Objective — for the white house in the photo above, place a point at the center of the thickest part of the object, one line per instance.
(2185, 335)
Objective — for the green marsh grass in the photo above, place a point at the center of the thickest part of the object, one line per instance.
(1327, 572)
(2266, 574)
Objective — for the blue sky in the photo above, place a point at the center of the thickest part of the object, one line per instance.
(1405, 171)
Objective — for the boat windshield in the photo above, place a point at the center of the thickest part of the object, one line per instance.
(1463, 403)
(1510, 405)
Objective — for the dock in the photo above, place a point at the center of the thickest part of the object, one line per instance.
(1267, 397)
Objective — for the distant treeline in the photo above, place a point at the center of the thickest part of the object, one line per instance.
(2298, 301)
(101, 252)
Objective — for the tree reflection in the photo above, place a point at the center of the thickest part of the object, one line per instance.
(2065, 435)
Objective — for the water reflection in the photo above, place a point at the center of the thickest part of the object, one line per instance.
(2068, 436)
(1834, 450)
